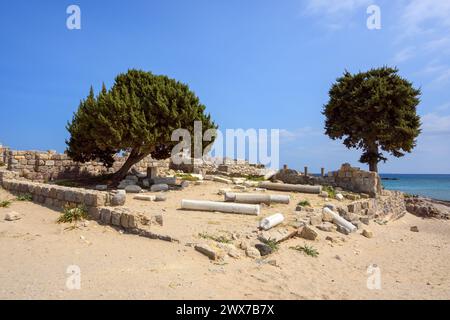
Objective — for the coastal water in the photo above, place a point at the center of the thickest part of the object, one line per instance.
(436, 186)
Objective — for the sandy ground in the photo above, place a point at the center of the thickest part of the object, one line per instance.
(35, 253)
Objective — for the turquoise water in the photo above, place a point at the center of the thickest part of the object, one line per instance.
(436, 186)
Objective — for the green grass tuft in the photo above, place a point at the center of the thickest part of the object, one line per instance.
(73, 214)
(187, 177)
(255, 178)
(304, 203)
(308, 250)
(221, 239)
(330, 190)
(5, 204)
(272, 244)
(24, 197)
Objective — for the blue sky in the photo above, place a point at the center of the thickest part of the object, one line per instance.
(254, 64)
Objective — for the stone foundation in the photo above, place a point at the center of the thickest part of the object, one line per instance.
(347, 177)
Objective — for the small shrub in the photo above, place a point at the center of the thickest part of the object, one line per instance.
(272, 244)
(221, 239)
(304, 203)
(255, 178)
(24, 197)
(330, 190)
(2, 164)
(73, 214)
(5, 204)
(308, 250)
(187, 177)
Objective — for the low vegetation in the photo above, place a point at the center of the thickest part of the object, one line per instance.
(24, 197)
(272, 244)
(308, 250)
(187, 177)
(73, 214)
(5, 204)
(2, 164)
(222, 239)
(330, 190)
(304, 203)
(255, 178)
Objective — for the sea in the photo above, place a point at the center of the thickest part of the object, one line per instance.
(436, 186)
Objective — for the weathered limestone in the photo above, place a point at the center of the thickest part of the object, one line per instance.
(133, 189)
(222, 180)
(145, 197)
(271, 221)
(291, 187)
(341, 222)
(159, 187)
(201, 205)
(255, 198)
(207, 251)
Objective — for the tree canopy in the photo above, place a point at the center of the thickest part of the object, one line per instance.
(374, 111)
(138, 115)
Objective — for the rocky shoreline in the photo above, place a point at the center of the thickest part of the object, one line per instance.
(427, 207)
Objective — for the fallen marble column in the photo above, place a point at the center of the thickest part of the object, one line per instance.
(291, 187)
(271, 221)
(202, 205)
(338, 220)
(256, 198)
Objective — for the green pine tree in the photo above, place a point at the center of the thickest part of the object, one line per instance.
(138, 115)
(374, 111)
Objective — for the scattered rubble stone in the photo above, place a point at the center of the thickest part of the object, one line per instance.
(207, 251)
(263, 249)
(159, 187)
(101, 187)
(367, 233)
(145, 197)
(160, 197)
(414, 229)
(252, 252)
(307, 233)
(12, 216)
(327, 227)
(133, 188)
(315, 220)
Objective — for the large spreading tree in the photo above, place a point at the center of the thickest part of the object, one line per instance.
(137, 115)
(374, 111)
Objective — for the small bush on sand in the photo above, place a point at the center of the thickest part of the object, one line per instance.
(272, 244)
(24, 197)
(73, 214)
(308, 250)
(5, 204)
(187, 177)
(304, 203)
(255, 178)
(331, 192)
(221, 239)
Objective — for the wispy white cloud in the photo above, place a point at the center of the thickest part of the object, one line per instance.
(335, 14)
(404, 55)
(433, 123)
(423, 16)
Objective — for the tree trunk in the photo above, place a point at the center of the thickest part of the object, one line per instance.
(373, 158)
(373, 166)
(132, 159)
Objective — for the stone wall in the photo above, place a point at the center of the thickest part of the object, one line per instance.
(52, 195)
(347, 177)
(49, 165)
